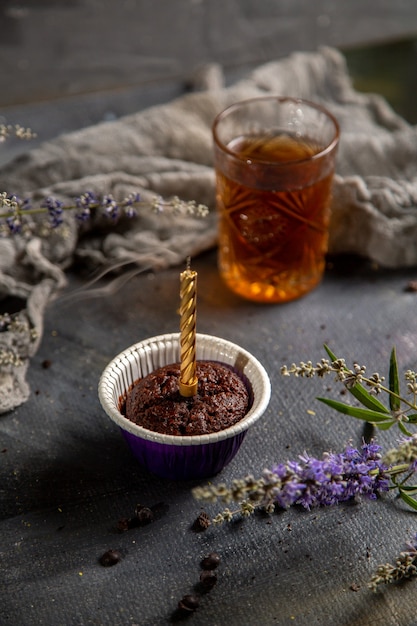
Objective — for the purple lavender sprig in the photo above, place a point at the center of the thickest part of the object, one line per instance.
(14, 217)
(55, 209)
(309, 482)
(335, 478)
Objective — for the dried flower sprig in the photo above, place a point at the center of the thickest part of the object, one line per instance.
(405, 567)
(15, 130)
(12, 322)
(9, 355)
(15, 214)
(403, 463)
(404, 454)
(400, 410)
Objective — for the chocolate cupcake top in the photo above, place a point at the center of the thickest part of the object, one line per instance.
(155, 403)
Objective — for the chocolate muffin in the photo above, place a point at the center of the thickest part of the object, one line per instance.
(155, 402)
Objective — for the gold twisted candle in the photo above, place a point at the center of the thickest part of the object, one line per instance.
(188, 292)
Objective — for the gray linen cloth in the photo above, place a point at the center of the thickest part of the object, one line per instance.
(167, 150)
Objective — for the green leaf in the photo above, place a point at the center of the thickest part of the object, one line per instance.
(409, 488)
(404, 429)
(330, 354)
(368, 400)
(394, 382)
(386, 425)
(412, 502)
(359, 392)
(412, 418)
(364, 414)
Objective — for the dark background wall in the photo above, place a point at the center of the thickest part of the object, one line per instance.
(117, 56)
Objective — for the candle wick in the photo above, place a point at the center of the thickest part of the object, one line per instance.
(188, 263)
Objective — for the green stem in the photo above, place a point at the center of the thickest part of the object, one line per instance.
(392, 471)
(396, 395)
(39, 210)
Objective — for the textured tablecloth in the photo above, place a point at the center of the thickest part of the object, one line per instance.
(167, 150)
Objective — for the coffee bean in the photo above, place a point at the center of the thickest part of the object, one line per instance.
(208, 579)
(202, 522)
(189, 603)
(211, 561)
(109, 558)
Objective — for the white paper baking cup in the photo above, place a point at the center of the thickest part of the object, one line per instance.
(172, 456)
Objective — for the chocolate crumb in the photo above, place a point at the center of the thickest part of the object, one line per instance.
(159, 509)
(354, 587)
(144, 514)
(123, 524)
(411, 286)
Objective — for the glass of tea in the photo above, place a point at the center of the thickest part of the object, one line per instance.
(274, 159)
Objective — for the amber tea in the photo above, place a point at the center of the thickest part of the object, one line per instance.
(272, 242)
(273, 199)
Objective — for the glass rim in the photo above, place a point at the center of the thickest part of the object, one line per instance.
(280, 99)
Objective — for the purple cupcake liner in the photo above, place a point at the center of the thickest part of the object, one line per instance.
(184, 462)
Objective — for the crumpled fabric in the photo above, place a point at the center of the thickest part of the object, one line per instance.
(166, 150)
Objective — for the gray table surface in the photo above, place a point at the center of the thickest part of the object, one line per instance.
(67, 476)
